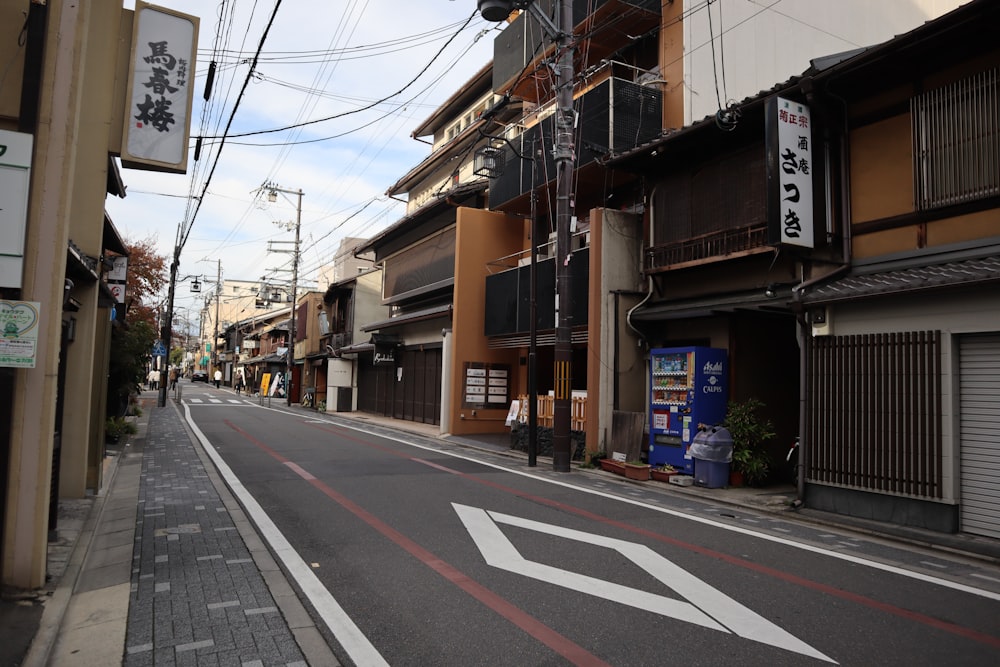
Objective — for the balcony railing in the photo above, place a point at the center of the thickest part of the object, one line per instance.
(717, 245)
(615, 116)
(508, 297)
(601, 27)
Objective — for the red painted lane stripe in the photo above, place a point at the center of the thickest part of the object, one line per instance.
(543, 633)
(917, 617)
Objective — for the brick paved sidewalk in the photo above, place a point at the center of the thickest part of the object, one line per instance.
(198, 597)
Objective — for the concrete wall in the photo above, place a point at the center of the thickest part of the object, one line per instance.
(613, 349)
(82, 444)
(955, 314)
(66, 201)
(762, 45)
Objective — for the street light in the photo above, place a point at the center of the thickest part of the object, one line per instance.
(564, 155)
(272, 196)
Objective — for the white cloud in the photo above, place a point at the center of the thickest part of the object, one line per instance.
(338, 176)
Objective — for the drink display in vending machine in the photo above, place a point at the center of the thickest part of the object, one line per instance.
(688, 386)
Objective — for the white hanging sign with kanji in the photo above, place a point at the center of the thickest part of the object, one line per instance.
(161, 73)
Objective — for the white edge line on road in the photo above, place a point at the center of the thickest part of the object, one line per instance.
(919, 576)
(354, 642)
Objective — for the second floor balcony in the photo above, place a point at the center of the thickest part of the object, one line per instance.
(616, 116)
(508, 299)
(724, 244)
(600, 28)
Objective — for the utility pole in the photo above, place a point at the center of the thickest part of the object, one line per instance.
(565, 155)
(272, 194)
(564, 158)
(166, 329)
(295, 299)
(215, 333)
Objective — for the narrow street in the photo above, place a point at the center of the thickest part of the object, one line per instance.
(417, 552)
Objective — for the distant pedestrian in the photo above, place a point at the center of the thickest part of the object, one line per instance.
(173, 379)
(156, 379)
(218, 378)
(149, 379)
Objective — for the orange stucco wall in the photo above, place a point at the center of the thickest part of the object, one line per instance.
(981, 225)
(481, 237)
(882, 187)
(884, 242)
(984, 224)
(881, 170)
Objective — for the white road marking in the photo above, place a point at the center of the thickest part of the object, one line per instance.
(689, 515)
(706, 606)
(987, 578)
(354, 642)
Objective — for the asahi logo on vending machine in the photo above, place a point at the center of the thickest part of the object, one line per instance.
(714, 371)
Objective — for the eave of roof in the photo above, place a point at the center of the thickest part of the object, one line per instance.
(407, 318)
(430, 208)
(477, 86)
(966, 273)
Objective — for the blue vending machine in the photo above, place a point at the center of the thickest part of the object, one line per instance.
(688, 386)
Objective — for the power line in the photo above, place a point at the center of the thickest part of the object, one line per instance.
(354, 111)
(229, 123)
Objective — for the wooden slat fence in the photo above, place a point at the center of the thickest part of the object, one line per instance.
(546, 406)
(874, 412)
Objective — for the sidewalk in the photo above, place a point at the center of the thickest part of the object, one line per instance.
(164, 567)
(168, 570)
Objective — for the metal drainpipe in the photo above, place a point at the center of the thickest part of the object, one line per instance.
(803, 334)
(800, 463)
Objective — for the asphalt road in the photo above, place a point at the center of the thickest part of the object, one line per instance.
(413, 552)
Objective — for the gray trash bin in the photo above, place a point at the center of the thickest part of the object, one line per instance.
(712, 451)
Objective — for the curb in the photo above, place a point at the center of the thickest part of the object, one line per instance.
(308, 635)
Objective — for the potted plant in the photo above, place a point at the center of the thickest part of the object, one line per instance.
(637, 470)
(612, 465)
(750, 432)
(662, 473)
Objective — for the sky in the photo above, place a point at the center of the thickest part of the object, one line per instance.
(319, 59)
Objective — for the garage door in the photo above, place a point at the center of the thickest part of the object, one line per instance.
(980, 433)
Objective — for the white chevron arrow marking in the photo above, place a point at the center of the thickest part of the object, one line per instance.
(705, 606)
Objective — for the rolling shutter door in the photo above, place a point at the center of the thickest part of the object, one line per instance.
(980, 434)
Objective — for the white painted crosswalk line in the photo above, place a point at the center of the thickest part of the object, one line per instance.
(194, 400)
